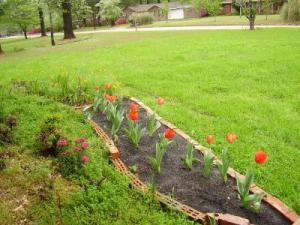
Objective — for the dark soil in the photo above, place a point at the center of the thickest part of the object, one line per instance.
(189, 187)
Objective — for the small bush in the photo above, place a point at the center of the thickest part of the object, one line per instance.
(49, 134)
(291, 11)
(6, 134)
(141, 19)
(120, 21)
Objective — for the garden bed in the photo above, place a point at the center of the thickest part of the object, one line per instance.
(208, 195)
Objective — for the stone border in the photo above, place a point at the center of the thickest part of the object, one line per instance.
(223, 219)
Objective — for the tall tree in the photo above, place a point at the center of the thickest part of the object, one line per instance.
(249, 10)
(95, 10)
(67, 19)
(212, 7)
(22, 13)
(82, 10)
(42, 21)
(1, 20)
(109, 10)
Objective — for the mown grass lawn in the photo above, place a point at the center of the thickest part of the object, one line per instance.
(214, 82)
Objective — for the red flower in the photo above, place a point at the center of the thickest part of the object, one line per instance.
(77, 149)
(133, 115)
(97, 87)
(230, 138)
(260, 157)
(80, 140)
(84, 158)
(209, 139)
(169, 133)
(110, 98)
(160, 101)
(133, 107)
(84, 146)
(107, 86)
(66, 152)
(62, 142)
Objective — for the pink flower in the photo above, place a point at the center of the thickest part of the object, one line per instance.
(77, 149)
(84, 146)
(62, 142)
(80, 140)
(84, 159)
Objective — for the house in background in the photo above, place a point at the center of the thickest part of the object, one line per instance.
(176, 10)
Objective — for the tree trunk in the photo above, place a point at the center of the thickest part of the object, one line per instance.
(141, 2)
(51, 28)
(148, 1)
(1, 51)
(94, 21)
(84, 22)
(158, 1)
(42, 22)
(25, 33)
(251, 23)
(67, 18)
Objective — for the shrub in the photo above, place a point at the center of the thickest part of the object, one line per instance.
(141, 19)
(6, 134)
(120, 21)
(49, 134)
(291, 11)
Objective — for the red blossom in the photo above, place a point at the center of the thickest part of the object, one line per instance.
(133, 107)
(84, 146)
(110, 98)
(133, 115)
(169, 133)
(62, 142)
(107, 86)
(230, 138)
(80, 140)
(160, 101)
(261, 157)
(209, 139)
(97, 87)
(84, 159)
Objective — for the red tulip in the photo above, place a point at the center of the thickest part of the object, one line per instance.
(62, 142)
(133, 115)
(107, 86)
(260, 157)
(133, 107)
(110, 98)
(230, 138)
(169, 133)
(77, 149)
(160, 101)
(84, 146)
(209, 139)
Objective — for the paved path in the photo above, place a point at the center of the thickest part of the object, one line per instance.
(124, 29)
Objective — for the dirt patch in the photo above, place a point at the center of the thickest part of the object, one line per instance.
(188, 187)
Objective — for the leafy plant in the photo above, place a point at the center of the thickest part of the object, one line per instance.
(152, 124)
(250, 201)
(135, 132)
(189, 158)
(160, 151)
(208, 162)
(49, 134)
(224, 165)
(117, 119)
(133, 168)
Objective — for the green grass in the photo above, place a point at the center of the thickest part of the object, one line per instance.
(220, 20)
(214, 82)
